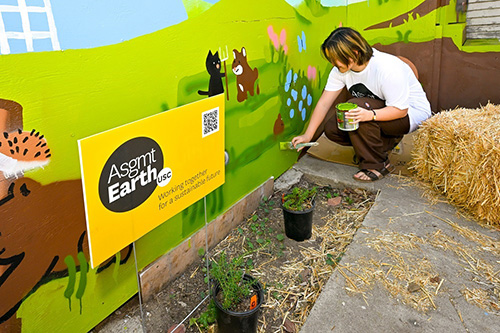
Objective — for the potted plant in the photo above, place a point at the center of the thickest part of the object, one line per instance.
(237, 296)
(298, 206)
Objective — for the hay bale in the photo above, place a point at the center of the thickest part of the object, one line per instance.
(458, 153)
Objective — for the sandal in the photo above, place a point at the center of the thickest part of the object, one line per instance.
(372, 175)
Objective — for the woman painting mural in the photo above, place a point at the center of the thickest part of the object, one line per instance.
(391, 101)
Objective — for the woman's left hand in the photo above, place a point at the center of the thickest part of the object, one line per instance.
(359, 115)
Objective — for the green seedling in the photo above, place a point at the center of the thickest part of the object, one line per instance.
(299, 198)
(229, 275)
(250, 263)
(337, 260)
(206, 318)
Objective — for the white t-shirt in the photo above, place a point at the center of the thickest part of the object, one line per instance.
(388, 78)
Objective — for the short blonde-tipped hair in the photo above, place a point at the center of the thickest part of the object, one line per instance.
(344, 44)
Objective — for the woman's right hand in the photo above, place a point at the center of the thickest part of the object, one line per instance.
(320, 110)
(304, 138)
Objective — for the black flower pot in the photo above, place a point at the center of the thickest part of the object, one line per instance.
(242, 322)
(298, 224)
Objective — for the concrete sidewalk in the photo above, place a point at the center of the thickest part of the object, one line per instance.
(400, 212)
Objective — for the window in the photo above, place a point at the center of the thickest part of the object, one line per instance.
(23, 23)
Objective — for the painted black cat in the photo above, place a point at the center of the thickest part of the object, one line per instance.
(215, 86)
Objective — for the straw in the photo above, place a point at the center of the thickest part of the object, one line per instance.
(288, 297)
(402, 269)
(458, 153)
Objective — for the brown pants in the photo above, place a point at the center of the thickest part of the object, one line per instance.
(373, 140)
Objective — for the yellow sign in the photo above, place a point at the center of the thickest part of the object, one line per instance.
(137, 176)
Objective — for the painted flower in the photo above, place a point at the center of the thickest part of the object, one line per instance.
(312, 72)
(278, 41)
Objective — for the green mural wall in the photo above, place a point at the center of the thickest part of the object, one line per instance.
(45, 283)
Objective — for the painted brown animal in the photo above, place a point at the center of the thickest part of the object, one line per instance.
(245, 76)
(40, 226)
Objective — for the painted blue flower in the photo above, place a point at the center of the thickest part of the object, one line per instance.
(302, 42)
(292, 112)
(304, 92)
(294, 94)
(295, 76)
(303, 114)
(288, 80)
(288, 101)
(309, 99)
(300, 105)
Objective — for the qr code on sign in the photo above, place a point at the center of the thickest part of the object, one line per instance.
(210, 122)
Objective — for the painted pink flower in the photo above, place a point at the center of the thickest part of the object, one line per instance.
(273, 37)
(311, 73)
(283, 40)
(278, 41)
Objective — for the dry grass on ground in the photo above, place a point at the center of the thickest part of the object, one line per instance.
(292, 273)
(403, 268)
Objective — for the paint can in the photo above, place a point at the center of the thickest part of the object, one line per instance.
(343, 123)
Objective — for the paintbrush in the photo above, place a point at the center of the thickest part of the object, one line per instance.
(289, 145)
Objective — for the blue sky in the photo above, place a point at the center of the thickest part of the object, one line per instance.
(94, 23)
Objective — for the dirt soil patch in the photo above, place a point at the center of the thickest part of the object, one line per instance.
(292, 273)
